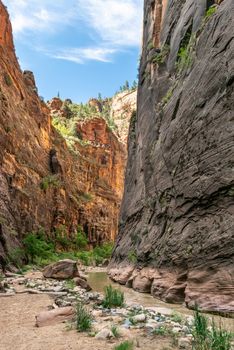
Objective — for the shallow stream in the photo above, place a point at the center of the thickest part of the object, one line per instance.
(99, 280)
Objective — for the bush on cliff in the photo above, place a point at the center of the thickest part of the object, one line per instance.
(80, 241)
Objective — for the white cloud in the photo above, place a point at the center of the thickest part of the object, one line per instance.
(116, 21)
(80, 55)
(29, 16)
(113, 24)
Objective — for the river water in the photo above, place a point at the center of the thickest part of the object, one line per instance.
(99, 280)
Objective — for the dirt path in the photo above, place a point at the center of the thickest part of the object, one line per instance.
(18, 331)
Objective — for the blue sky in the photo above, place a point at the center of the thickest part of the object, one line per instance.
(79, 50)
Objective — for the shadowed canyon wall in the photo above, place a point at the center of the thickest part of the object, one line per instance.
(42, 183)
(176, 234)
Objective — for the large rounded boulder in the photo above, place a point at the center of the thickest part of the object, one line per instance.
(63, 269)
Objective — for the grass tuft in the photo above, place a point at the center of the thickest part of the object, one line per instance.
(83, 318)
(209, 338)
(126, 345)
(115, 331)
(113, 297)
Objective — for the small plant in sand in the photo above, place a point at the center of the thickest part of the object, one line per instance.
(209, 338)
(115, 331)
(113, 297)
(126, 345)
(83, 318)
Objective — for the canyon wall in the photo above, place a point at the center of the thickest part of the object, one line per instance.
(43, 184)
(176, 233)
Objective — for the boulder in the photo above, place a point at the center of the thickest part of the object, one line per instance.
(47, 318)
(82, 283)
(63, 269)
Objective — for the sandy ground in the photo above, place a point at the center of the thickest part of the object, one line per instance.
(18, 331)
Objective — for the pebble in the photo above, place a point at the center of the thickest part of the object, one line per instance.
(104, 334)
(184, 343)
(176, 330)
(139, 318)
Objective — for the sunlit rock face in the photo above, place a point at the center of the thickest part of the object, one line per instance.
(123, 106)
(42, 183)
(176, 224)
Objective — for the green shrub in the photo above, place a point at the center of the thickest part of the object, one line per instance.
(126, 345)
(102, 252)
(16, 256)
(200, 331)
(70, 284)
(176, 317)
(80, 241)
(83, 318)
(36, 246)
(115, 331)
(86, 197)
(184, 57)
(162, 330)
(113, 297)
(84, 257)
(161, 57)
(7, 79)
(50, 181)
(61, 237)
(205, 338)
(210, 11)
(132, 257)
(220, 339)
(167, 97)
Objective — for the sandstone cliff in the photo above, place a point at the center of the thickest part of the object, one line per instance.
(176, 227)
(43, 182)
(122, 107)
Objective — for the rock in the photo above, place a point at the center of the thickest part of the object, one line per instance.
(185, 329)
(176, 330)
(97, 313)
(94, 296)
(58, 315)
(82, 283)
(63, 269)
(105, 263)
(57, 201)
(3, 286)
(104, 334)
(139, 318)
(177, 208)
(151, 324)
(184, 343)
(123, 105)
(160, 310)
(190, 320)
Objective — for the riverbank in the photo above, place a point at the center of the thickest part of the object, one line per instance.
(148, 326)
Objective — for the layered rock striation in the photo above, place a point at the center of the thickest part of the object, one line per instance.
(176, 225)
(43, 184)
